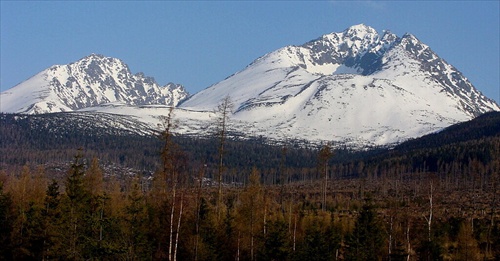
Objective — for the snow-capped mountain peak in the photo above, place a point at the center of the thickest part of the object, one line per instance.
(360, 32)
(354, 86)
(90, 81)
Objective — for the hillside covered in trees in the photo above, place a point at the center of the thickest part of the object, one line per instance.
(130, 197)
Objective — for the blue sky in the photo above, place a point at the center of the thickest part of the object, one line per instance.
(199, 43)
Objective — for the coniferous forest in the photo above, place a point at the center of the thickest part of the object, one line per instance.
(127, 197)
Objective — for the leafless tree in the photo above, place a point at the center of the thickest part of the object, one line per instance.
(324, 156)
(224, 110)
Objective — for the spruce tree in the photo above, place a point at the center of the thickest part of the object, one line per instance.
(76, 211)
(367, 238)
(6, 222)
(319, 243)
(135, 224)
(276, 245)
(51, 217)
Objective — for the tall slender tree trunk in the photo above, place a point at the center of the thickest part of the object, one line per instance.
(283, 178)
(294, 231)
(325, 186)
(238, 248)
(178, 227)
(390, 237)
(324, 156)
(408, 244)
(429, 220)
(172, 209)
(220, 170)
(492, 216)
(224, 109)
(198, 209)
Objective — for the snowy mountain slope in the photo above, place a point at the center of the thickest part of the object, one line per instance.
(61, 124)
(355, 87)
(91, 81)
(188, 121)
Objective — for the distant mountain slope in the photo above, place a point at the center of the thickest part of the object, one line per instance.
(78, 123)
(465, 149)
(46, 138)
(356, 87)
(484, 126)
(55, 137)
(91, 81)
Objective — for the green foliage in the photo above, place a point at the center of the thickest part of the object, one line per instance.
(319, 243)
(276, 242)
(76, 210)
(6, 222)
(365, 242)
(75, 190)
(135, 224)
(52, 216)
(31, 244)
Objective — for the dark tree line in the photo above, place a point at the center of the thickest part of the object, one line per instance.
(274, 203)
(89, 216)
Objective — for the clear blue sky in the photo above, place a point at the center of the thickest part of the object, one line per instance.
(199, 43)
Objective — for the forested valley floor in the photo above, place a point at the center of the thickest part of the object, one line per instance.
(435, 198)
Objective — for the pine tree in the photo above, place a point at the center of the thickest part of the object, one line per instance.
(276, 243)
(51, 216)
(33, 235)
(319, 243)
(6, 224)
(135, 221)
(100, 242)
(367, 239)
(76, 211)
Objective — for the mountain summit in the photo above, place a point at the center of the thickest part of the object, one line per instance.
(90, 81)
(355, 86)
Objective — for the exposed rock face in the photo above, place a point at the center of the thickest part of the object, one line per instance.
(91, 81)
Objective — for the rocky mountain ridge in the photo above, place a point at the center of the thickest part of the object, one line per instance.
(90, 81)
(355, 87)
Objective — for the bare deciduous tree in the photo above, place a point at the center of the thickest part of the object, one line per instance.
(172, 165)
(224, 110)
(324, 156)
